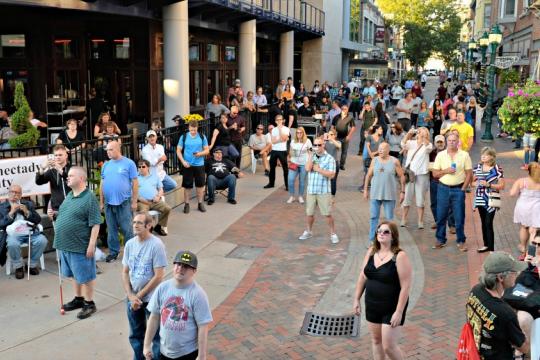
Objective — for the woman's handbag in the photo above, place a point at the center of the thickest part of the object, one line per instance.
(494, 200)
(292, 166)
(410, 176)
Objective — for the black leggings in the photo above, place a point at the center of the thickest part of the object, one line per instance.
(333, 182)
(487, 227)
(282, 157)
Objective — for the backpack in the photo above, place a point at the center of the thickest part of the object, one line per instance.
(467, 346)
(184, 140)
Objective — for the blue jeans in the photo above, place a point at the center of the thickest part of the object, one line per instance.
(228, 182)
(450, 198)
(433, 186)
(137, 327)
(38, 245)
(301, 173)
(168, 183)
(118, 217)
(374, 212)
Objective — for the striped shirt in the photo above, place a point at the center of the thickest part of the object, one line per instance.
(317, 183)
(492, 176)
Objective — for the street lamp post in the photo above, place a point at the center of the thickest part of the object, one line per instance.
(390, 53)
(402, 65)
(483, 45)
(472, 47)
(494, 39)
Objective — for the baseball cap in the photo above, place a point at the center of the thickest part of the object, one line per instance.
(500, 261)
(439, 138)
(150, 133)
(187, 258)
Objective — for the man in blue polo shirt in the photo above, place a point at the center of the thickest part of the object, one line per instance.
(118, 195)
(192, 149)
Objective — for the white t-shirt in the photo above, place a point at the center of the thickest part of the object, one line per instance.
(420, 162)
(258, 142)
(402, 104)
(153, 154)
(397, 92)
(299, 152)
(281, 145)
(416, 105)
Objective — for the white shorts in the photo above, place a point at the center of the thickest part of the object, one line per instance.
(419, 188)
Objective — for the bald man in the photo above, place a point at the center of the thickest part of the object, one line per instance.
(118, 195)
(16, 210)
(237, 127)
(75, 235)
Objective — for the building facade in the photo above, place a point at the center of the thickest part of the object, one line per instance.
(154, 59)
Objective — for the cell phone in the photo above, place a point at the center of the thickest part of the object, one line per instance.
(531, 250)
(454, 166)
(50, 156)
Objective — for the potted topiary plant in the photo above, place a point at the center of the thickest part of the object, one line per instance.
(520, 111)
(27, 134)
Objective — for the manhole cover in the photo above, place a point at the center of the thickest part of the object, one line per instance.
(329, 325)
(246, 252)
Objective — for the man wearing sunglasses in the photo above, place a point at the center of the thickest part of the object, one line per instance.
(179, 308)
(151, 196)
(321, 168)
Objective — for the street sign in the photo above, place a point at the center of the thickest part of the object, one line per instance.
(504, 62)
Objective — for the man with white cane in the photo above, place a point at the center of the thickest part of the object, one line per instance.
(76, 232)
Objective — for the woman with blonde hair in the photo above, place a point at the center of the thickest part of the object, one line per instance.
(298, 154)
(527, 205)
(488, 177)
(386, 277)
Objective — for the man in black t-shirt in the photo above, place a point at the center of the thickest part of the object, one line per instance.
(221, 173)
(495, 324)
(306, 109)
(344, 125)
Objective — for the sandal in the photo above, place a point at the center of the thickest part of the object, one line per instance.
(438, 246)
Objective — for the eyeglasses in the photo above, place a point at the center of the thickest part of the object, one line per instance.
(317, 145)
(383, 232)
(260, 128)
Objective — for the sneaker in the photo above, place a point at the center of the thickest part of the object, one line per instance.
(402, 223)
(301, 200)
(462, 247)
(210, 202)
(334, 238)
(306, 235)
(268, 186)
(165, 230)
(291, 200)
(159, 230)
(87, 310)
(111, 258)
(98, 270)
(19, 273)
(232, 201)
(76, 303)
(201, 207)
(420, 225)
(186, 208)
(342, 167)
(34, 271)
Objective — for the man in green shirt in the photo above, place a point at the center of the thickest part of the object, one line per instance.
(76, 232)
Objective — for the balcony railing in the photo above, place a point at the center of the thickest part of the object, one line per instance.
(297, 13)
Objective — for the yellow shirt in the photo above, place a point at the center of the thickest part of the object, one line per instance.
(466, 132)
(444, 161)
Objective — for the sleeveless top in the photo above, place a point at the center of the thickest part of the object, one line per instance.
(383, 183)
(382, 285)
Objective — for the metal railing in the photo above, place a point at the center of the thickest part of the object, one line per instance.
(297, 13)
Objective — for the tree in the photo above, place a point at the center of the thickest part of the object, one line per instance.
(418, 46)
(28, 135)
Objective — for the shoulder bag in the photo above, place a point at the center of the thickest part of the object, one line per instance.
(410, 176)
(293, 166)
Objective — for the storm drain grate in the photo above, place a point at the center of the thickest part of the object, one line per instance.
(329, 325)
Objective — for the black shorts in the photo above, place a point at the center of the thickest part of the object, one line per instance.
(190, 173)
(256, 153)
(380, 314)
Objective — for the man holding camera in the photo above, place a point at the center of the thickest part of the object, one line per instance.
(55, 171)
(321, 168)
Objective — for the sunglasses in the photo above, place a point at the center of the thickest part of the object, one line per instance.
(260, 128)
(535, 243)
(142, 166)
(383, 232)
(317, 145)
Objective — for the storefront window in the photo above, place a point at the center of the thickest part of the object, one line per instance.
(12, 46)
(230, 53)
(194, 53)
(212, 53)
(97, 48)
(121, 48)
(66, 48)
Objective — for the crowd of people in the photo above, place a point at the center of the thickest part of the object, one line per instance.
(409, 147)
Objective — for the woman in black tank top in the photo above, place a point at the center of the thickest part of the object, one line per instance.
(386, 278)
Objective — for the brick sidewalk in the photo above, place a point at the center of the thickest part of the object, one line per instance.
(262, 318)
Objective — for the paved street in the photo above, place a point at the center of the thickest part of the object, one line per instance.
(261, 279)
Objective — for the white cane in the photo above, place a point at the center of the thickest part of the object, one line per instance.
(29, 251)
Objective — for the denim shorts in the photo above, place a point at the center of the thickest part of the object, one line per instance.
(529, 140)
(77, 266)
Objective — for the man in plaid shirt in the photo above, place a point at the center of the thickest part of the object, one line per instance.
(321, 168)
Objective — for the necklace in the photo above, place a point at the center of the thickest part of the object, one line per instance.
(381, 259)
